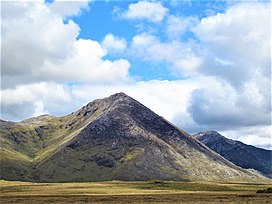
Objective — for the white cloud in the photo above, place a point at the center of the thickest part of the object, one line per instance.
(256, 140)
(153, 94)
(86, 65)
(69, 8)
(26, 101)
(178, 25)
(259, 136)
(29, 93)
(152, 11)
(46, 49)
(241, 37)
(42, 36)
(181, 57)
(218, 105)
(58, 99)
(114, 44)
(236, 58)
(39, 109)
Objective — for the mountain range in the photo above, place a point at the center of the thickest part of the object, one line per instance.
(115, 138)
(245, 156)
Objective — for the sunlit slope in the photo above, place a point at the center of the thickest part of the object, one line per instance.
(109, 139)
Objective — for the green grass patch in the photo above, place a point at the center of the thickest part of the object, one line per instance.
(268, 190)
(131, 155)
(183, 186)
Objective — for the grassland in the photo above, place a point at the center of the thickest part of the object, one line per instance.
(133, 192)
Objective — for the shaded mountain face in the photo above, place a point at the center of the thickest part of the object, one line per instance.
(114, 138)
(245, 156)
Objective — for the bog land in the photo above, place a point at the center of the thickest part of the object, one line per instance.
(133, 192)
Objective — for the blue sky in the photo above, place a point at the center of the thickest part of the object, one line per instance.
(110, 22)
(200, 64)
(108, 13)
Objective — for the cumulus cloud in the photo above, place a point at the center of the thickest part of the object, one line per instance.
(59, 99)
(86, 65)
(114, 44)
(215, 104)
(42, 36)
(152, 11)
(236, 57)
(235, 50)
(178, 25)
(47, 49)
(181, 56)
(153, 94)
(219, 105)
(39, 109)
(69, 8)
(259, 136)
(26, 101)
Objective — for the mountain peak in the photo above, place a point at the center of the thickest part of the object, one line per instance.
(107, 104)
(207, 134)
(36, 120)
(119, 95)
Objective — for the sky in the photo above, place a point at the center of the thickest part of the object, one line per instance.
(203, 65)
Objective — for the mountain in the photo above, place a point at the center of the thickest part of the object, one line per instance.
(245, 156)
(115, 138)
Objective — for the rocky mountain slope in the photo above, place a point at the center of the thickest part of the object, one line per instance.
(245, 156)
(112, 138)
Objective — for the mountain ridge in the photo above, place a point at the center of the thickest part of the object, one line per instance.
(115, 138)
(243, 155)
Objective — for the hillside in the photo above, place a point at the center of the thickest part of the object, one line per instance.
(114, 138)
(245, 156)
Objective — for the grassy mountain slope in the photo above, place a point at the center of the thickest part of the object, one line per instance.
(112, 138)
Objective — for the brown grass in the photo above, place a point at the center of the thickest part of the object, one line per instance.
(132, 192)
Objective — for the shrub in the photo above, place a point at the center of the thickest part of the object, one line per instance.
(268, 190)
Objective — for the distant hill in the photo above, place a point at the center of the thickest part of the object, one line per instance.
(115, 138)
(245, 156)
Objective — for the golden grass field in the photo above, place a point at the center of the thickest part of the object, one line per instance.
(133, 192)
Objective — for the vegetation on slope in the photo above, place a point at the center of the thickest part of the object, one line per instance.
(108, 139)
